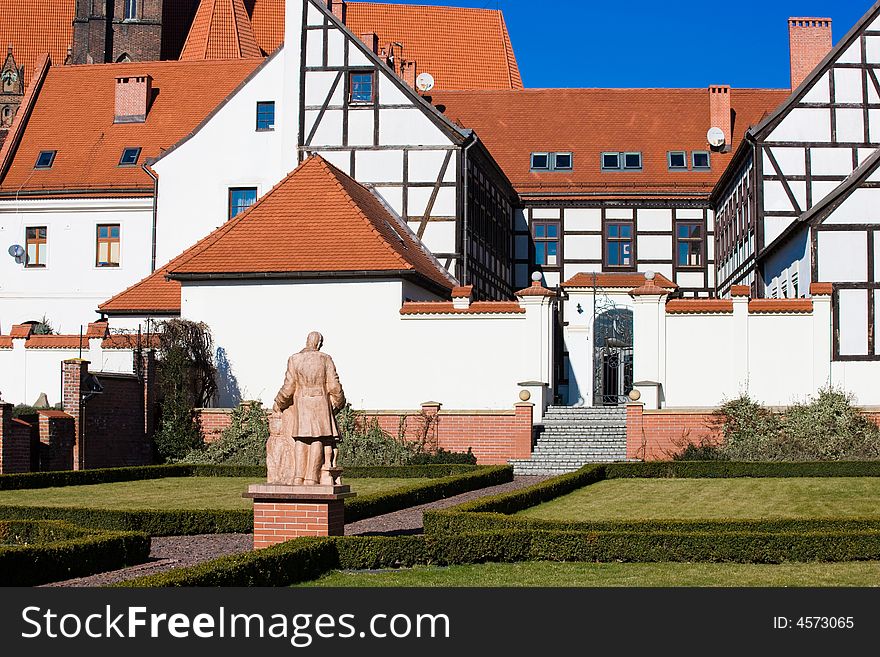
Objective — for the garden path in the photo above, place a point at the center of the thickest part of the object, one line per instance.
(168, 552)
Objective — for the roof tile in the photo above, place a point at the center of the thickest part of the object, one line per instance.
(221, 29)
(615, 279)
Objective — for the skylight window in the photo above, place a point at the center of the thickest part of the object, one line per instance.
(611, 161)
(130, 157)
(701, 159)
(45, 160)
(677, 159)
(541, 161)
(562, 161)
(632, 160)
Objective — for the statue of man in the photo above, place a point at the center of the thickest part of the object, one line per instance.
(308, 399)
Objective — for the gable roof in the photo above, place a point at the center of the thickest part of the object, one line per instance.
(616, 280)
(322, 223)
(588, 122)
(771, 120)
(74, 112)
(221, 29)
(36, 27)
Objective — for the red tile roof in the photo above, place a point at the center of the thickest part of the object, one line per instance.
(699, 306)
(321, 221)
(462, 48)
(614, 279)
(34, 28)
(221, 29)
(446, 308)
(536, 290)
(824, 289)
(74, 112)
(781, 306)
(588, 122)
(740, 291)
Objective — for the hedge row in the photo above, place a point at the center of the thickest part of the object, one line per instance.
(185, 522)
(731, 469)
(49, 551)
(113, 475)
(305, 559)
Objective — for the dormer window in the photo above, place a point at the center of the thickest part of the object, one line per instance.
(129, 157)
(45, 160)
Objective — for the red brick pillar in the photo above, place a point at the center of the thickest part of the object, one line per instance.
(635, 447)
(73, 375)
(57, 439)
(5, 430)
(15, 442)
(276, 522)
(522, 441)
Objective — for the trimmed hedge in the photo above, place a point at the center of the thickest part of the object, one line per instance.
(731, 469)
(113, 475)
(36, 552)
(305, 559)
(185, 522)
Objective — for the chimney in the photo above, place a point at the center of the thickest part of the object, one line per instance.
(372, 41)
(408, 73)
(132, 98)
(338, 9)
(719, 112)
(809, 40)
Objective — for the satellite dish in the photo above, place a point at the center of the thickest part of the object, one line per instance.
(425, 82)
(715, 137)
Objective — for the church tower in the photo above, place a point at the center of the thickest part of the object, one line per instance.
(117, 30)
(11, 92)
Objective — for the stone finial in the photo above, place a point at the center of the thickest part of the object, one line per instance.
(649, 287)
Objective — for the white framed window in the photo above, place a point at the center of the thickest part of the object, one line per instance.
(540, 161)
(700, 160)
(677, 160)
(632, 161)
(611, 161)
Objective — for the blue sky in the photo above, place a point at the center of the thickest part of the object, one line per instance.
(641, 43)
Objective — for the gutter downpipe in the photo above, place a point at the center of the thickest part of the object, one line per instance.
(155, 178)
(464, 250)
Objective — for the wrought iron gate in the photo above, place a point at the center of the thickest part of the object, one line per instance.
(613, 356)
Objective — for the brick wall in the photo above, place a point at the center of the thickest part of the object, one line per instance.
(493, 436)
(212, 422)
(657, 435)
(16, 443)
(276, 522)
(57, 436)
(809, 41)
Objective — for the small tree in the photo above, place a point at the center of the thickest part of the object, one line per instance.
(44, 327)
(186, 376)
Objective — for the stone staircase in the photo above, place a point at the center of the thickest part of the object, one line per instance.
(573, 437)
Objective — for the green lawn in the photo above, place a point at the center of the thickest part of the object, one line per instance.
(866, 573)
(688, 499)
(170, 493)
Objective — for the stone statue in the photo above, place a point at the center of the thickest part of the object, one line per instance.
(303, 433)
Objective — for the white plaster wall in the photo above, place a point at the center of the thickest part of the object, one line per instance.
(830, 161)
(70, 287)
(228, 151)
(384, 360)
(853, 322)
(804, 124)
(698, 372)
(583, 219)
(843, 256)
(859, 378)
(779, 372)
(654, 247)
(862, 206)
(583, 247)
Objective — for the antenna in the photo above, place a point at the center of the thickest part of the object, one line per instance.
(425, 82)
(716, 137)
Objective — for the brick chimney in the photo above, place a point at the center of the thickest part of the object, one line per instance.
(809, 40)
(719, 111)
(372, 41)
(132, 98)
(338, 9)
(408, 73)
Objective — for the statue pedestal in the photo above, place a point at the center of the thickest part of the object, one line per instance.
(282, 513)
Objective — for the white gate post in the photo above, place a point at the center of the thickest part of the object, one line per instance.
(649, 341)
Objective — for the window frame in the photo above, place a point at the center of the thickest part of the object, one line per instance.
(38, 241)
(265, 103)
(51, 154)
(233, 190)
(694, 160)
(542, 241)
(689, 240)
(684, 155)
(109, 240)
(362, 103)
(626, 167)
(539, 154)
(129, 16)
(137, 157)
(555, 166)
(619, 161)
(607, 240)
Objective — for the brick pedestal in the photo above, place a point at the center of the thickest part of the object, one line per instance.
(282, 513)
